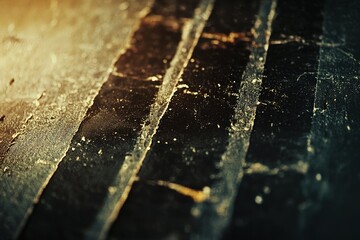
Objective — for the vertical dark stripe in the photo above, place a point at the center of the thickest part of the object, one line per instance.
(76, 192)
(193, 133)
(332, 210)
(267, 204)
(283, 118)
(128, 173)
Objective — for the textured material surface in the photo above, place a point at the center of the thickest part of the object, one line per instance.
(194, 119)
(57, 61)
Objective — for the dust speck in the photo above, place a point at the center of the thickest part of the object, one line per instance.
(258, 200)
(267, 190)
(318, 177)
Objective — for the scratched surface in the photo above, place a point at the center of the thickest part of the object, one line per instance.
(196, 119)
(58, 61)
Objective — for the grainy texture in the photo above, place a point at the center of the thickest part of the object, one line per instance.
(191, 137)
(109, 132)
(268, 204)
(179, 119)
(215, 214)
(57, 61)
(331, 187)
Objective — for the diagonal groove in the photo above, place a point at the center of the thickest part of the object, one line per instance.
(127, 174)
(142, 14)
(35, 157)
(217, 211)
